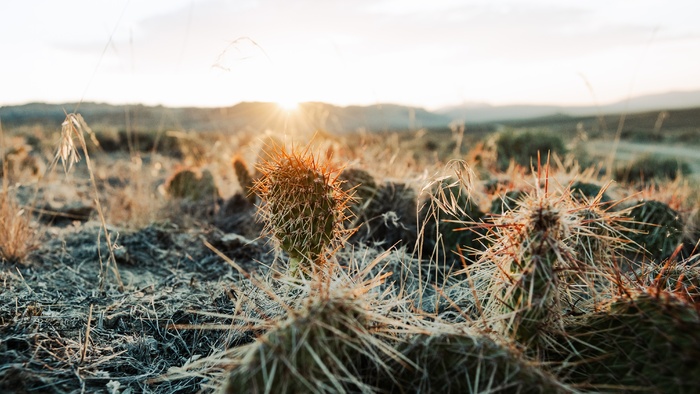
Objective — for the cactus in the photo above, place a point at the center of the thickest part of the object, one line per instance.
(336, 340)
(507, 202)
(303, 206)
(648, 341)
(655, 227)
(452, 220)
(550, 253)
(304, 353)
(388, 218)
(187, 184)
(587, 192)
(529, 247)
(461, 363)
(245, 180)
(364, 189)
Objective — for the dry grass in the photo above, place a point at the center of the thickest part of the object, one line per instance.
(18, 235)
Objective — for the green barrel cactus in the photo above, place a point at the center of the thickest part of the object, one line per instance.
(303, 206)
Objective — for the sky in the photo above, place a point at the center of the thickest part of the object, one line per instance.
(430, 53)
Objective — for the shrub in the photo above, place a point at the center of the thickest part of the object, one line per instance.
(523, 147)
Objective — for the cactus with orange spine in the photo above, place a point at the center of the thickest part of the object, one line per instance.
(303, 206)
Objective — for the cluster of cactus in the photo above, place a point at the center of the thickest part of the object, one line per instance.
(192, 185)
(353, 337)
(548, 283)
(303, 206)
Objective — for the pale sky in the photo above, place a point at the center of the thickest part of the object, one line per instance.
(428, 53)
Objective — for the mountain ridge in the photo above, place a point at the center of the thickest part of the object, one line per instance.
(329, 117)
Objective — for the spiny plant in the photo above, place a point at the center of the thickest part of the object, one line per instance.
(467, 363)
(362, 184)
(389, 219)
(540, 257)
(303, 206)
(191, 185)
(245, 180)
(451, 222)
(646, 340)
(584, 192)
(656, 227)
(337, 340)
(529, 248)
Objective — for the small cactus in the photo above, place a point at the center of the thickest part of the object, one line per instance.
(303, 206)
(364, 189)
(245, 180)
(530, 249)
(550, 253)
(588, 192)
(656, 227)
(451, 222)
(188, 184)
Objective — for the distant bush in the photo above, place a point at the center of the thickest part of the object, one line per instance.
(651, 169)
(523, 147)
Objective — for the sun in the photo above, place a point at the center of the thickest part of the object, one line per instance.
(288, 104)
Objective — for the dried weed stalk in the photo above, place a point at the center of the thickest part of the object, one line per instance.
(73, 128)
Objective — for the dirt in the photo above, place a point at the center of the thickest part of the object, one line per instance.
(61, 333)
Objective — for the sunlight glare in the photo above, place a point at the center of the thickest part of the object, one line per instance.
(288, 105)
